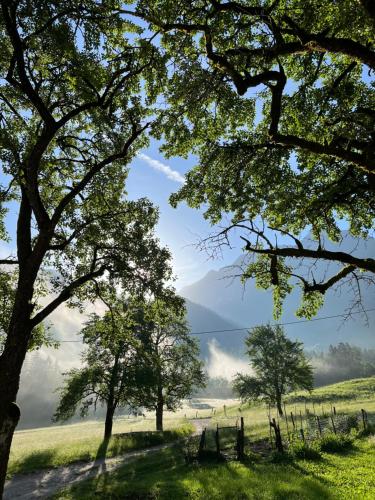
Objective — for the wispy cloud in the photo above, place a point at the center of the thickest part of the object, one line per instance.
(161, 167)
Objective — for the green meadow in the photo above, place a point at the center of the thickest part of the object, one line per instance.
(347, 474)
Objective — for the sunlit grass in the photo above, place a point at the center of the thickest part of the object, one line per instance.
(60, 445)
(165, 476)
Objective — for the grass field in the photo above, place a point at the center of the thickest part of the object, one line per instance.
(165, 476)
(347, 397)
(60, 445)
(54, 446)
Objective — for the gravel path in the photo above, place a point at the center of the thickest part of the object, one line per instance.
(43, 484)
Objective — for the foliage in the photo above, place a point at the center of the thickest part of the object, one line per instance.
(107, 375)
(78, 88)
(41, 334)
(279, 366)
(333, 443)
(169, 363)
(342, 362)
(301, 449)
(276, 101)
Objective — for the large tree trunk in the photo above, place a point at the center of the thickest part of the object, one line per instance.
(159, 417)
(19, 332)
(108, 421)
(11, 361)
(159, 410)
(279, 407)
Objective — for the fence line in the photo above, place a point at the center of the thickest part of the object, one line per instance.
(229, 441)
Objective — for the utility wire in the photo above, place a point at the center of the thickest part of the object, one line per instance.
(274, 324)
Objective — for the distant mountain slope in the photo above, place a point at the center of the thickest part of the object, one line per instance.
(250, 306)
(202, 319)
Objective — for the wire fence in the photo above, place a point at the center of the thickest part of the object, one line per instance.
(233, 436)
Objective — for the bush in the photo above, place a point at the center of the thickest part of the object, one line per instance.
(279, 458)
(333, 443)
(300, 449)
(370, 429)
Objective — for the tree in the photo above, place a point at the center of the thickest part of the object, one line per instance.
(107, 375)
(169, 361)
(279, 366)
(71, 120)
(275, 98)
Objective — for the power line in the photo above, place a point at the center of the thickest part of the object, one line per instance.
(274, 324)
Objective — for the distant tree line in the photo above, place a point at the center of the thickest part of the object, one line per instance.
(342, 362)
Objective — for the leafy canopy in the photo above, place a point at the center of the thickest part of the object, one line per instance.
(169, 361)
(275, 98)
(108, 373)
(279, 366)
(77, 88)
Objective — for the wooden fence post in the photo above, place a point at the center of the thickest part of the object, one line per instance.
(202, 443)
(217, 439)
(364, 419)
(241, 441)
(334, 410)
(333, 425)
(302, 434)
(278, 440)
(287, 426)
(294, 424)
(319, 426)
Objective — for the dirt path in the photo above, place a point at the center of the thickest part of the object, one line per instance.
(43, 484)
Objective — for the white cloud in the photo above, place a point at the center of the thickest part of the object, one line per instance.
(223, 365)
(161, 167)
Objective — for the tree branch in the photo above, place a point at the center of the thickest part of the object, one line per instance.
(65, 294)
(366, 264)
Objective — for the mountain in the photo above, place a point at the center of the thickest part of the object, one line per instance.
(221, 293)
(202, 319)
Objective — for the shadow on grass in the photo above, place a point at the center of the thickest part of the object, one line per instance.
(34, 461)
(165, 476)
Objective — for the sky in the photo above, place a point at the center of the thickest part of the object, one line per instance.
(180, 229)
(153, 176)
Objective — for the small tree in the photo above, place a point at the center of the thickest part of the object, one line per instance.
(279, 366)
(169, 359)
(107, 375)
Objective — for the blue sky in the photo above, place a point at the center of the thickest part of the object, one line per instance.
(179, 229)
(155, 177)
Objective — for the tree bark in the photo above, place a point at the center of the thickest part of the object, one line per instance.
(109, 421)
(159, 410)
(279, 406)
(18, 335)
(11, 362)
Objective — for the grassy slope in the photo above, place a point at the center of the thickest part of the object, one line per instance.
(54, 446)
(60, 445)
(349, 475)
(165, 476)
(347, 397)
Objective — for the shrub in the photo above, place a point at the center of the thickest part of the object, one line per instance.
(300, 449)
(333, 443)
(370, 429)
